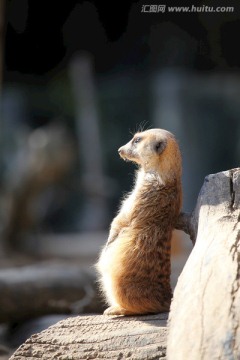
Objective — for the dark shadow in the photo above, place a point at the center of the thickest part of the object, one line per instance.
(159, 320)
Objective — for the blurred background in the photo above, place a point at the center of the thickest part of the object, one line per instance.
(77, 78)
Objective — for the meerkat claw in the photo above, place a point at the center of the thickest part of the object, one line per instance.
(113, 310)
(117, 310)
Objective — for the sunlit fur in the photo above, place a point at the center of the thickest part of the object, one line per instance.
(134, 266)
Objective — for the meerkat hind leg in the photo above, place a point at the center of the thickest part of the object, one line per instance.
(118, 310)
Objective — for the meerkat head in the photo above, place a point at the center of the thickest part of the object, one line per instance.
(154, 150)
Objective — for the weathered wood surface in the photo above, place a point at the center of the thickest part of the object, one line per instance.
(99, 337)
(42, 289)
(205, 311)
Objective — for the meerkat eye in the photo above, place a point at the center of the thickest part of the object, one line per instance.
(137, 140)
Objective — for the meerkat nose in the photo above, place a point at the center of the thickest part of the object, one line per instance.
(120, 150)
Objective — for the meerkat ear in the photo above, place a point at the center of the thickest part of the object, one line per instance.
(159, 146)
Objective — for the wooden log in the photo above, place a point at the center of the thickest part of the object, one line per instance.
(205, 311)
(99, 337)
(43, 289)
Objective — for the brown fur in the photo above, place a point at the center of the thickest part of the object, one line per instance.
(135, 264)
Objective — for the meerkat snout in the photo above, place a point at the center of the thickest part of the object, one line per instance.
(126, 152)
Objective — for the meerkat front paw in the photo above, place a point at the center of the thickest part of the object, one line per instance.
(117, 310)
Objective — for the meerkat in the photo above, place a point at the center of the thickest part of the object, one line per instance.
(134, 266)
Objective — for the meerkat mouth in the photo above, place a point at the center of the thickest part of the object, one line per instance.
(128, 157)
(124, 155)
(125, 158)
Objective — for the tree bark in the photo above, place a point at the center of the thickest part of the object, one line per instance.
(99, 337)
(44, 289)
(205, 311)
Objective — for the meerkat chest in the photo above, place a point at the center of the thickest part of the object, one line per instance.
(131, 200)
(128, 204)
